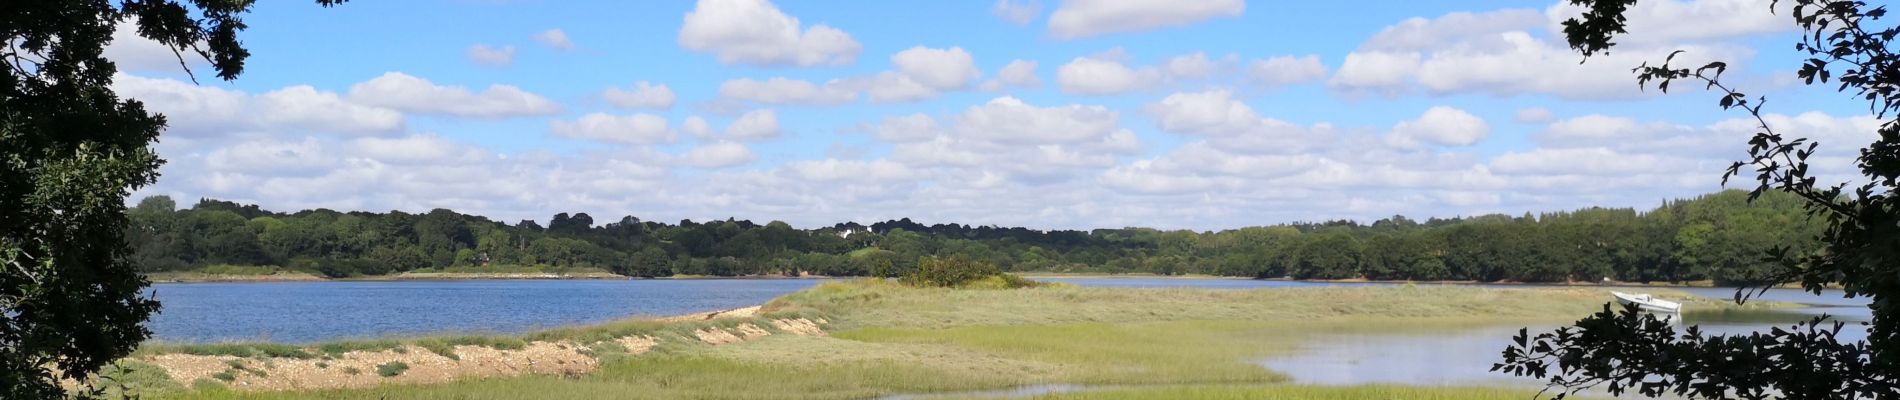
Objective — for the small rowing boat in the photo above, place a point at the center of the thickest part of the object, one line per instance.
(1648, 303)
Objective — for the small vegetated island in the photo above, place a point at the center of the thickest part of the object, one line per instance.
(951, 327)
(1715, 238)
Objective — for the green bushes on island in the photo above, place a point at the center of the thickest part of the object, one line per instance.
(1717, 237)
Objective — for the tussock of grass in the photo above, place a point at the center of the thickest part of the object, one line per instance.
(391, 369)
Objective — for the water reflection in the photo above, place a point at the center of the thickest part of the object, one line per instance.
(1464, 357)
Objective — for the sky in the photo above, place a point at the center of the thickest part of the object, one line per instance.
(1048, 114)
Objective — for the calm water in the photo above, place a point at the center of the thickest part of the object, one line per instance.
(1464, 357)
(295, 312)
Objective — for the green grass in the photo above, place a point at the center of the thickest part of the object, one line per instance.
(891, 339)
(391, 369)
(511, 269)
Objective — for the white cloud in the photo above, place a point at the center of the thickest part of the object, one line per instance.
(1503, 53)
(1099, 76)
(204, 111)
(941, 69)
(1443, 126)
(407, 93)
(1595, 161)
(1660, 22)
(696, 126)
(415, 150)
(1017, 12)
(305, 157)
(131, 52)
(754, 125)
(1009, 120)
(889, 87)
(1228, 123)
(717, 155)
(1019, 73)
(642, 95)
(1191, 66)
(907, 128)
(1419, 33)
(1286, 70)
(1535, 115)
(1082, 18)
(831, 170)
(491, 56)
(554, 39)
(755, 32)
(629, 129)
(786, 91)
(1383, 71)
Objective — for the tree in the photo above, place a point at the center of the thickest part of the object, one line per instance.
(70, 298)
(1860, 243)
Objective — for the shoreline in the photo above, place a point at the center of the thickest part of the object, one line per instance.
(192, 277)
(291, 276)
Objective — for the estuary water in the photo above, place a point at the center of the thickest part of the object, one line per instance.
(300, 312)
(1463, 357)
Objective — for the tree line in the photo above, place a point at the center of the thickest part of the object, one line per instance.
(1719, 237)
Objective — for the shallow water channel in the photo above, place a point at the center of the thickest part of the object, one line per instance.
(1463, 357)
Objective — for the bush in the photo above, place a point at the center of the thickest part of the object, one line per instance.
(951, 271)
(392, 369)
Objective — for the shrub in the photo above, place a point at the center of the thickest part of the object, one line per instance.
(951, 271)
(392, 369)
(352, 370)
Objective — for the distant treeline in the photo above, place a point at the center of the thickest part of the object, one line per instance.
(1720, 237)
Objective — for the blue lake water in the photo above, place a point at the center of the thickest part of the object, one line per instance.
(296, 312)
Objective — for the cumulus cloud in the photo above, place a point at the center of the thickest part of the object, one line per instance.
(1441, 125)
(940, 69)
(1661, 22)
(1009, 120)
(1083, 18)
(1097, 76)
(787, 92)
(411, 94)
(204, 111)
(491, 56)
(696, 126)
(642, 95)
(1191, 66)
(628, 129)
(1218, 116)
(133, 53)
(717, 155)
(755, 32)
(907, 128)
(1286, 70)
(554, 39)
(1504, 53)
(754, 125)
(1535, 115)
(1017, 12)
(1019, 73)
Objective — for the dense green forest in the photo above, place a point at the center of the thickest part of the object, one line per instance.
(1721, 237)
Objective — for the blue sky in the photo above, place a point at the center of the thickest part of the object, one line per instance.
(1201, 115)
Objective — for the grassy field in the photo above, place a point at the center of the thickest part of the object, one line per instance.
(890, 339)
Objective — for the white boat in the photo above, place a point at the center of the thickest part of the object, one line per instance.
(1648, 303)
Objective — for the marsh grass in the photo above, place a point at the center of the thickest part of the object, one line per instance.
(891, 339)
